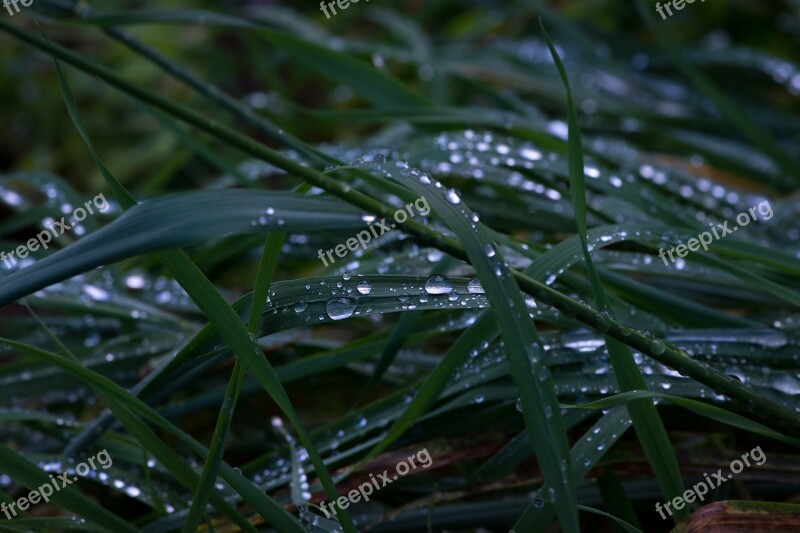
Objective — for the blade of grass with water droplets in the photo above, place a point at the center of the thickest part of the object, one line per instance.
(31, 476)
(646, 421)
(586, 453)
(400, 333)
(542, 415)
(227, 322)
(266, 270)
(104, 386)
(707, 410)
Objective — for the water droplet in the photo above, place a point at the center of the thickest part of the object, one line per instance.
(657, 347)
(340, 308)
(452, 196)
(474, 286)
(364, 287)
(299, 307)
(438, 285)
(603, 321)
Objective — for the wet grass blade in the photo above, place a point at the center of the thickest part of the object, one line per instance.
(31, 476)
(271, 511)
(230, 326)
(646, 421)
(266, 269)
(542, 415)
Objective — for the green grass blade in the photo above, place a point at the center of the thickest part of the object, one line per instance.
(646, 420)
(709, 411)
(32, 477)
(542, 415)
(270, 510)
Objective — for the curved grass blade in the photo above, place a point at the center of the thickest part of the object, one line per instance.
(709, 411)
(586, 454)
(31, 476)
(543, 418)
(228, 323)
(266, 269)
(270, 510)
(646, 421)
(175, 221)
(147, 439)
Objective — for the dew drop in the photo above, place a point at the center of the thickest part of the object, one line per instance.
(340, 308)
(657, 347)
(474, 286)
(438, 285)
(364, 287)
(452, 196)
(603, 321)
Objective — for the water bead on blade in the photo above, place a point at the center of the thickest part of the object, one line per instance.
(438, 285)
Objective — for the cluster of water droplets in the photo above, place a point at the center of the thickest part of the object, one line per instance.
(340, 298)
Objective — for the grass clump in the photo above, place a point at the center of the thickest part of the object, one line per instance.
(525, 331)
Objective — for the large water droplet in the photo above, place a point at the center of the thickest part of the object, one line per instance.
(340, 308)
(438, 285)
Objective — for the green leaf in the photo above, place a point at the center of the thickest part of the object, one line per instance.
(646, 421)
